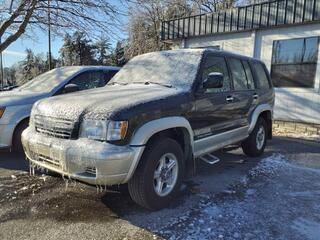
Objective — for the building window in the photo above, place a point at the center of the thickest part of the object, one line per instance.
(294, 62)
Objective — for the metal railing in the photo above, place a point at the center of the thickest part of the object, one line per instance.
(255, 16)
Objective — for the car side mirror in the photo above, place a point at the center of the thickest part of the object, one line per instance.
(69, 88)
(214, 80)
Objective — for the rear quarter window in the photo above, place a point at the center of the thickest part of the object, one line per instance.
(262, 77)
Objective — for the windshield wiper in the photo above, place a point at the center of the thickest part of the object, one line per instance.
(114, 83)
(150, 82)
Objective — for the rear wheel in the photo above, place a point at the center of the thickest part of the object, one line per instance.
(158, 176)
(17, 144)
(255, 144)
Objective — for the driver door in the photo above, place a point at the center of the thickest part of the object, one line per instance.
(214, 111)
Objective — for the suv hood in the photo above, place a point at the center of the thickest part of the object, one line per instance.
(103, 103)
(15, 97)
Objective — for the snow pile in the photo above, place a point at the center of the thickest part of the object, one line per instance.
(269, 166)
(177, 68)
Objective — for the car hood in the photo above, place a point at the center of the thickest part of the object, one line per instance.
(102, 103)
(16, 97)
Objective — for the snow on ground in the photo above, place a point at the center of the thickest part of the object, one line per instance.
(256, 207)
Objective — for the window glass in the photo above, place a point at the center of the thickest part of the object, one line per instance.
(238, 74)
(90, 79)
(217, 64)
(249, 74)
(294, 62)
(111, 73)
(263, 82)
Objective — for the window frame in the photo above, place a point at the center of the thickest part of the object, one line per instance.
(232, 79)
(256, 76)
(200, 90)
(60, 90)
(295, 63)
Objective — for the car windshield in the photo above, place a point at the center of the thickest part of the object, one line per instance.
(177, 68)
(46, 82)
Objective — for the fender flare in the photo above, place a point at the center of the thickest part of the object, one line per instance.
(146, 131)
(254, 118)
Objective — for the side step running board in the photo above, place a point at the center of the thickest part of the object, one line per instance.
(210, 159)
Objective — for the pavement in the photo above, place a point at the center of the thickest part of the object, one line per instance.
(276, 196)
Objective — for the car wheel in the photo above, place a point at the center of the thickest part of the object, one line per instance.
(157, 178)
(255, 144)
(17, 144)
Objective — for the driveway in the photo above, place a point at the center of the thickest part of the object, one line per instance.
(276, 196)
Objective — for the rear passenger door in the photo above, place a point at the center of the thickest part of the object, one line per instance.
(242, 98)
(263, 92)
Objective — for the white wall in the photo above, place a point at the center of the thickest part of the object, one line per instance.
(241, 43)
(297, 104)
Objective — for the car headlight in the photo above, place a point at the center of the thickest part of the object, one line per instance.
(2, 109)
(117, 130)
(94, 129)
(102, 130)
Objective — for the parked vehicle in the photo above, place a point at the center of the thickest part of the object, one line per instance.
(15, 105)
(160, 113)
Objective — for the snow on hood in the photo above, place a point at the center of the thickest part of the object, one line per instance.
(15, 97)
(102, 102)
(177, 68)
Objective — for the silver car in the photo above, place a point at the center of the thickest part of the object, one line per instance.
(15, 105)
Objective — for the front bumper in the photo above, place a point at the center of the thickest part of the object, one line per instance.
(86, 160)
(6, 133)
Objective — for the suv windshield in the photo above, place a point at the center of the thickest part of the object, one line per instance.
(166, 68)
(46, 82)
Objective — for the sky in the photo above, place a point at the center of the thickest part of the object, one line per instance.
(39, 44)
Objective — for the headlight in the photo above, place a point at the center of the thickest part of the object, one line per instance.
(117, 130)
(94, 129)
(2, 109)
(101, 131)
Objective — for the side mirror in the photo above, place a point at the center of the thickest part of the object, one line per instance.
(69, 88)
(214, 80)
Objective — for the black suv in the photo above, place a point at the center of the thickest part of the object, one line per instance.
(147, 127)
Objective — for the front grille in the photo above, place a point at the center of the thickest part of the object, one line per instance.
(54, 127)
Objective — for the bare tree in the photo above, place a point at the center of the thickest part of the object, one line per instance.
(205, 6)
(145, 17)
(89, 16)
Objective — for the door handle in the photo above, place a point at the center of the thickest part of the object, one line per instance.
(229, 99)
(255, 96)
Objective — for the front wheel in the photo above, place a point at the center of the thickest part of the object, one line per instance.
(255, 144)
(158, 176)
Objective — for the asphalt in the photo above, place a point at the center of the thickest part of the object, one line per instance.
(276, 196)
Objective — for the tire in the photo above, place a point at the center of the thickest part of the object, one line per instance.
(145, 186)
(253, 147)
(17, 144)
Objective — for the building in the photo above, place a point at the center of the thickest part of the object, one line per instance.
(282, 33)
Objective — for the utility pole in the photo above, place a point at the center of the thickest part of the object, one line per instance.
(49, 36)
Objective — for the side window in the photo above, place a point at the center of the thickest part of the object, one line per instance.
(263, 82)
(249, 74)
(238, 74)
(89, 79)
(217, 64)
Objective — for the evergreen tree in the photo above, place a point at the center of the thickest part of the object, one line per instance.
(103, 51)
(77, 50)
